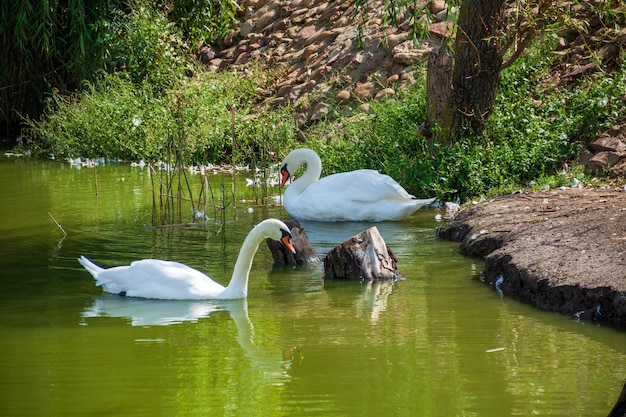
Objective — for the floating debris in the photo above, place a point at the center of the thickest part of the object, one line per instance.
(589, 314)
(497, 284)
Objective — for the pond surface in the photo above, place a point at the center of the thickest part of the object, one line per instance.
(437, 343)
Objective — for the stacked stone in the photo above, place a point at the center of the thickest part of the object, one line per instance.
(326, 52)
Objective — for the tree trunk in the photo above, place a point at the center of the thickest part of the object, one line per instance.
(439, 105)
(363, 257)
(305, 254)
(475, 73)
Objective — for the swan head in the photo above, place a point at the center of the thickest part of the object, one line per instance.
(277, 230)
(284, 175)
(295, 160)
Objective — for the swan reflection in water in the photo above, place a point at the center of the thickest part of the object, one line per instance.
(147, 313)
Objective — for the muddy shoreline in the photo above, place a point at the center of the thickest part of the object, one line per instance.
(561, 250)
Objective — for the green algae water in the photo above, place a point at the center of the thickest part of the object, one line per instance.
(436, 343)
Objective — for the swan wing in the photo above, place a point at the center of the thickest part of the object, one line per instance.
(363, 185)
(153, 278)
(362, 195)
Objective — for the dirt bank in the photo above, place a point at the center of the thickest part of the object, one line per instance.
(561, 250)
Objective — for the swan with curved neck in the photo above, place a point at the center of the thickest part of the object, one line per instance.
(361, 195)
(153, 278)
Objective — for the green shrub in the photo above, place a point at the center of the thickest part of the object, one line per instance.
(202, 20)
(148, 47)
(533, 132)
(116, 118)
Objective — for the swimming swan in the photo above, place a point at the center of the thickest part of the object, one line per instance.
(361, 195)
(153, 278)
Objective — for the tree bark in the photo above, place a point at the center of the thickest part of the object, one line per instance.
(439, 105)
(363, 257)
(305, 254)
(475, 74)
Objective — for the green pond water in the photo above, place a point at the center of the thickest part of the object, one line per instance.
(439, 342)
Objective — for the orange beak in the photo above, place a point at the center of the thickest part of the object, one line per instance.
(284, 175)
(286, 240)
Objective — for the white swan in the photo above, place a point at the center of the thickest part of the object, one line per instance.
(153, 278)
(361, 195)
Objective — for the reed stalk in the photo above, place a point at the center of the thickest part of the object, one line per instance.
(95, 178)
(233, 151)
(57, 223)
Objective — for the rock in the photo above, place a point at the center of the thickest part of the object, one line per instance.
(364, 257)
(322, 41)
(265, 19)
(603, 160)
(365, 91)
(437, 6)
(343, 60)
(441, 29)
(408, 54)
(343, 95)
(562, 44)
(607, 143)
(569, 33)
(320, 112)
(446, 15)
(246, 28)
(590, 314)
(608, 52)
(392, 79)
(308, 52)
(284, 90)
(396, 39)
(241, 58)
(206, 54)
(619, 169)
(373, 61)
(300, 120)
(306, 87)
(584, 157)
(385, 92)
(301, 3)
(230, 39)
(305, 34)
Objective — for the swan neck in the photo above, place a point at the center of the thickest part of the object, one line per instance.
(238, 286)
(312, 172)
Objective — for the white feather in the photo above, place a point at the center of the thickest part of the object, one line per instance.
(154, 278)
(361, 195)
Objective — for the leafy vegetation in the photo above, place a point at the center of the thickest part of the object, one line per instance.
(156, 104)
(55, 45)
(534, 132)
(116, 118)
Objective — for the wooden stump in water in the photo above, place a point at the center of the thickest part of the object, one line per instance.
(305, 254)
(364, 257)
